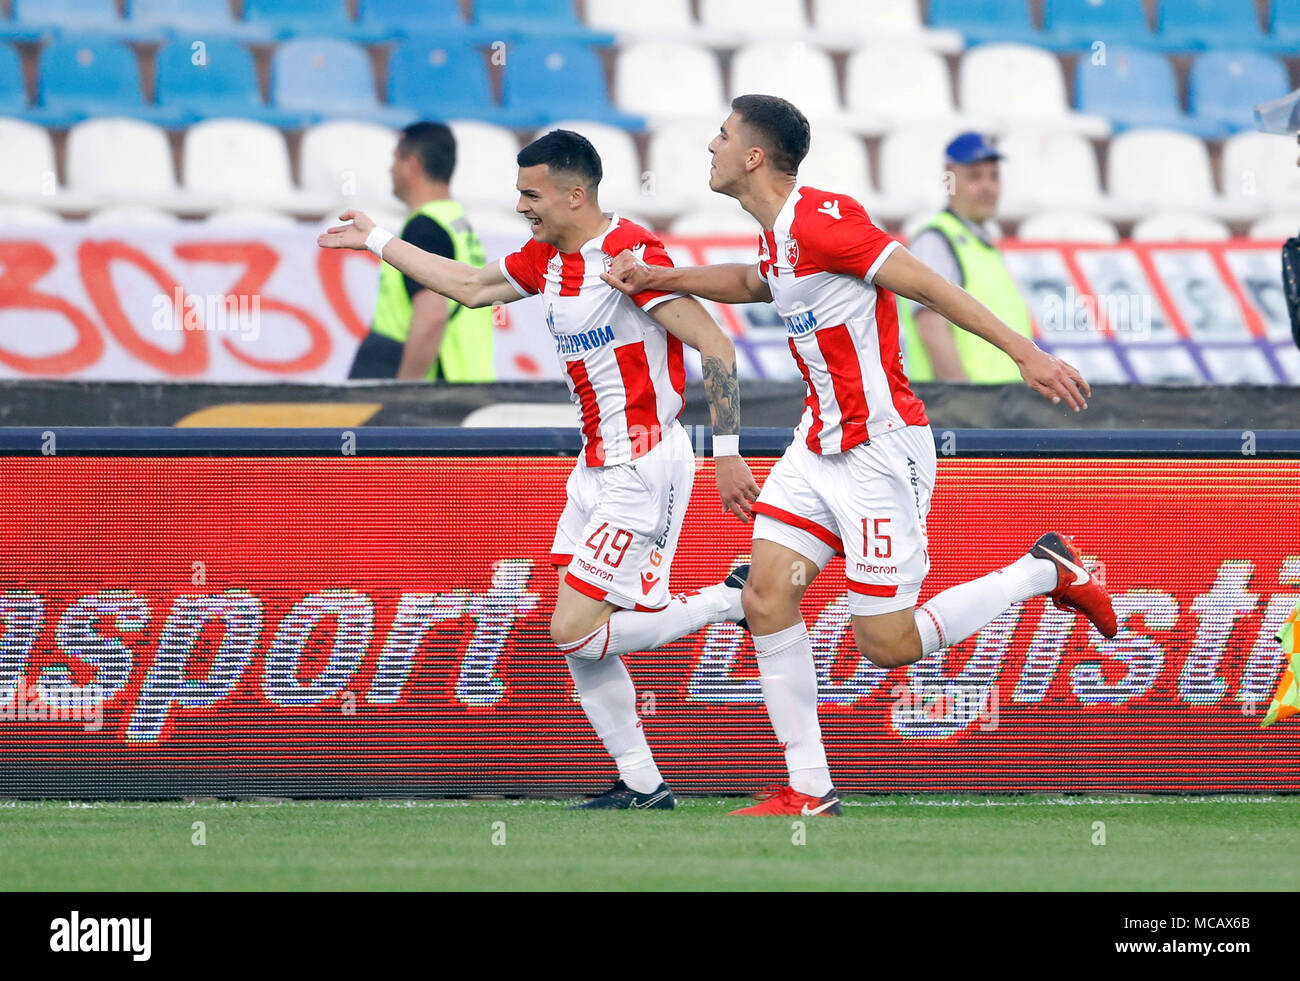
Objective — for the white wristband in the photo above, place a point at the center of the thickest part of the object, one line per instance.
(726, 445)
(377, 239)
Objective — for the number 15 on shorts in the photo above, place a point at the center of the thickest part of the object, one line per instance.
(874, 529)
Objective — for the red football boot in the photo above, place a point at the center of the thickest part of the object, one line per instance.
(788, 802)
(1077, 590)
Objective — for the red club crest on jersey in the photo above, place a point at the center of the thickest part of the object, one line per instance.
(792, 252)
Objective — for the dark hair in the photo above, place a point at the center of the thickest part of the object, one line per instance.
(783, 129)
(434, 144)
(563, 149)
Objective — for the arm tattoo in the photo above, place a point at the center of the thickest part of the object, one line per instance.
(723, 390)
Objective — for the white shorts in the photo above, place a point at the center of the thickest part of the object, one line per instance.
(868, 504)
(619, 530)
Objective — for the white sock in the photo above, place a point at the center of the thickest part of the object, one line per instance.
(609, 699)
(630, 630)
(955, 614)
(789, 681)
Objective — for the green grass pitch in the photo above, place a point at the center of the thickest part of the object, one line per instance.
(890, 843)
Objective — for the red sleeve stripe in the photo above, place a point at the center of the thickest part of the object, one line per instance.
(812, 401)
(677, 367)
(808, 525)
(642, 410)
(841, 353)
(590, 413)
(573, 267)
(561, 560)
(585, 588)
(871, 588)
(906, 404)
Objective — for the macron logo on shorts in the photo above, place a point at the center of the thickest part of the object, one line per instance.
(648, 582)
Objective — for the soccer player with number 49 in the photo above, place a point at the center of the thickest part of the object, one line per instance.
(857, 478)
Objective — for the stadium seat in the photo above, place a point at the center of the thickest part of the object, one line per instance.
(93, 18)
(1135, 88)
(748, 19)
(330, 79)
(257, 218)
(620, 187)
(13, 90)
(793, 70)
(94, 77)
(837, 161)
(1048, 171)
(882, 20)
(663, 19)
(1284, 25)
(985, 20)
(687, 81)
(26, 215)
(485, 169)
(27, 165)
(1069, 24)
(309, 18)
(899, 84)
(733, 221)
(1259, 171)
(1277, 228)
(445, 80)
(238, 161)
(1224, 86)
(222, 83)
(1017, 86)
(439, 19)
(194, 20)
(1191, 24)
(559, 79)
(1067, 226)
(679, 159)
(129, 215)
(1149, 168)
(541, 19)
(911, 169)
(1178, 227)
(350, 162)
(121, 159)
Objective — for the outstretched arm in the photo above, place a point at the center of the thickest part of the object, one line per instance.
(734, 282)
(467, 285)
(908, 276)
(684, 318)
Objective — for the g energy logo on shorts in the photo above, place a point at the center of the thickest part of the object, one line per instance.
(800, 322)
(586, 341)
(102, 934)
(662, 540)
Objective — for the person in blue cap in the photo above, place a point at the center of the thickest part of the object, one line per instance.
(958, 243)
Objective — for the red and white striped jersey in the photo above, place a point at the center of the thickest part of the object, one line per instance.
(625, 371)
(819, 262)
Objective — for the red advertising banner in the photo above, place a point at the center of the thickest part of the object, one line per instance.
(319, 626)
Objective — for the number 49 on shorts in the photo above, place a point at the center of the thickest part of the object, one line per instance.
(621, 540)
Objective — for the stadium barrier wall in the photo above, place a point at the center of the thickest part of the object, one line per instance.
(337, 613)
(208, 304)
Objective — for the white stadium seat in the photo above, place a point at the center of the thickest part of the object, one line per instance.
(257, 218)
(793, 70)
(115, 159)
(496, 222)
(717, 221)
(1175, 227)
(27, 164)
(244, 162)
(24, 215)
(856, 23)
(678, 163)
(1067, 226)
(1260, 172)
(1047, 171)
(1016, 85)
(837, 161)
(485, 165)
(1276, 227)
(911, 170)
(133, 215)
(620, 187)
(755, 18)
(899, 84)
(658, 19)
(669, 79)
(1159, 168)
(349, 162)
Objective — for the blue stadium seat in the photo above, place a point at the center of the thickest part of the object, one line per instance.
(187, 18)
(1071, 24)
(1284, 25)
(986, 20)
(1133, 88)
(441, 79)
(548, 19)
(548, 80)
(93, 76)
(330, 79)
(400, 18)
(1192, 24)
(13, 93)
(80, 17)
(1224, 86)
(313, 18)
(224, 83)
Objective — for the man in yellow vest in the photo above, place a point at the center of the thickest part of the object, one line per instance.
(958, 244)
(416, 333)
